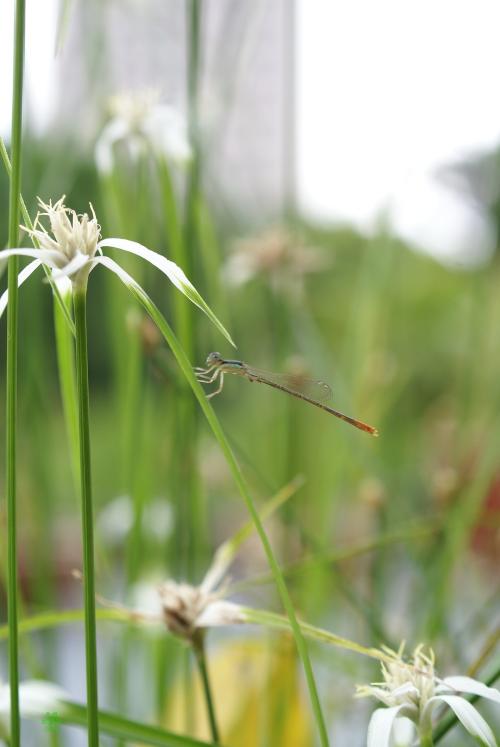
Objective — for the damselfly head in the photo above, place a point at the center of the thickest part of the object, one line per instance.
(214, 359)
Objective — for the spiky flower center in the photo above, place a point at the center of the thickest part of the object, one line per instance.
(72, 234)
(134, 107)
(410, 683)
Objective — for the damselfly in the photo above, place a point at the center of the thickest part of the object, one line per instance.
(312, 391)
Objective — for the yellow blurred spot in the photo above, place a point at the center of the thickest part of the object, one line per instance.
(258, 699)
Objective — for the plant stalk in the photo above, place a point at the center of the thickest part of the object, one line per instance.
(80, 304)
(426, 739)
(11, 373)
(201, 660)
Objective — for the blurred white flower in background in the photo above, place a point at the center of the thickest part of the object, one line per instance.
(142, 124)
(117, 517)
(278, 256)
(411, 690)
(36, 698)
(187, 610)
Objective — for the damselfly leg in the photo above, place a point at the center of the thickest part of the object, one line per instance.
(209, 376)
(221, 384)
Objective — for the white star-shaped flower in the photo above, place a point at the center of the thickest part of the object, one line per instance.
(72, 248)
(411, 690)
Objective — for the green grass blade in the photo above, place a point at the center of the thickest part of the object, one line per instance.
(124, 728)
(174, 273)
(226, 552)
(11, 377)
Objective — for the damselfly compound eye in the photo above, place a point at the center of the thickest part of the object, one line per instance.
(213, 358)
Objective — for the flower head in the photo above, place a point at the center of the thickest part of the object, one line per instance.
(409, 684)
(188, 609)
(80, 234)
(278, 256)
(411, 689)
(140, 122)
(74, 240)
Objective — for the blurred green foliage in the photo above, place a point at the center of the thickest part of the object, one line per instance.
(406, 344)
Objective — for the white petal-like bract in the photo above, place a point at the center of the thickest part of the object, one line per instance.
(381, 726)
(470, 718)
(473, 687)
(23, 275)
(220, 612)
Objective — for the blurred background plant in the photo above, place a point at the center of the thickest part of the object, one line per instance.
(197, 156)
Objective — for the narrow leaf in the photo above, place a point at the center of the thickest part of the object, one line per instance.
(226, 552)
(123, 728)
(174, 273)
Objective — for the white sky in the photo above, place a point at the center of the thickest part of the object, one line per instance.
(387, 91)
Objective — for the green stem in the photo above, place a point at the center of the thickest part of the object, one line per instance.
(48, 620)
(80, 303)
(11, 396)
(67, 381)
(201, 660)
(426, 739)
